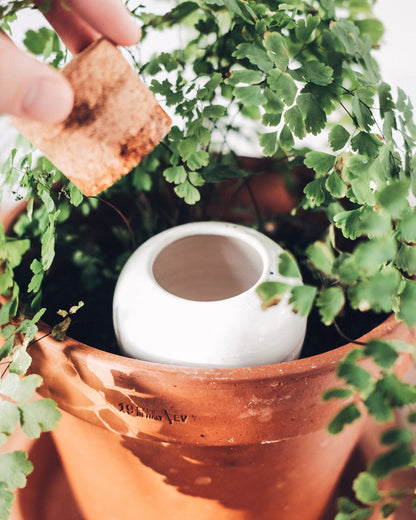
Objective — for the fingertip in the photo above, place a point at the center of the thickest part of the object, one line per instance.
(48, 98)
(132, 36)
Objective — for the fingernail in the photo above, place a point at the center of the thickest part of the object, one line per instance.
(48, 100)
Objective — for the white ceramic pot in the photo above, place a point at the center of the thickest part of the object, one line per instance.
(188, 297)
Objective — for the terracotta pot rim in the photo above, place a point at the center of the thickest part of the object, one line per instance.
(313, 364)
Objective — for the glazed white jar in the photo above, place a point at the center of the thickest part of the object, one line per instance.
(188, 297)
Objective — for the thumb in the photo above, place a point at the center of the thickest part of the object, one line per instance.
(31, 89)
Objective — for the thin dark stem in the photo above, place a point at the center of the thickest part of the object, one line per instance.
(109, 204)
(5, 370)
(347, 111)
(344, 336)
(255, 204)
(38, 339)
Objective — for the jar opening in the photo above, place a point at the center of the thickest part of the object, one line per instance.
(207, 267)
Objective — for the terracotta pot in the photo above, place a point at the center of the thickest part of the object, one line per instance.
(269, 191)
(151, 441)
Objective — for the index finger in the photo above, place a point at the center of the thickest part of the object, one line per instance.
(79, 23)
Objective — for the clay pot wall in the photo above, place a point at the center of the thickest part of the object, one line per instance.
(154, 441)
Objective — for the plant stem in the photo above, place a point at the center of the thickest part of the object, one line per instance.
(109, 204)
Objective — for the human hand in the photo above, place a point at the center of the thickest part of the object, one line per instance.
(36, 91)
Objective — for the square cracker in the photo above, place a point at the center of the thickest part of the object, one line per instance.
(115, 121)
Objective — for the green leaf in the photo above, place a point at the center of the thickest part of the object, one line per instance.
(377, 292)
(141, 180)
(39, 416)
(20, 389)
(406, 259)
(168, 61)
(294, 120)
(210, 86)
(305, 28)
(6, 501)
(315, 191)
(272, 119)
(250, 95)
(75, 195)
(7, 331)
(382, 352)
(277, 49)
(9, 417)
(406, 227)
(6, 348)
(378, 407)
(347, 415)
(244, 76)
(354, 375)
(47, 200)
(14, 468)
(330, 302)
(274, 104)
(338, 137)
(371, 26)
(335, 185)
(38, 41)
(321, 256)
(268, 141)
(345, 505)
(271, 293)
(181, 11)
(14, 250)
(286, 140)
(315, 117)
(196, 179)
(366, 144)
(316, 72)
(21, 361)
(398, 393)
(397, 436)
(302, 298)
(187, 147)
(214, 111)
(362, 112)
(363, 221)
(350, 222)
(197, 160)
(385, 98)
(188, 192)
(400, 457)
(348, 34)
(407, 304)
(366, 489)
(337, 393)
(393, 198)
(389, 508)
(176, 174)
(283, 84)
(38, 273)
(372, 255)
(5, 312)
(48, 244)
(412, 417)
(241, 9)
(255, 55)
(288, 266)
